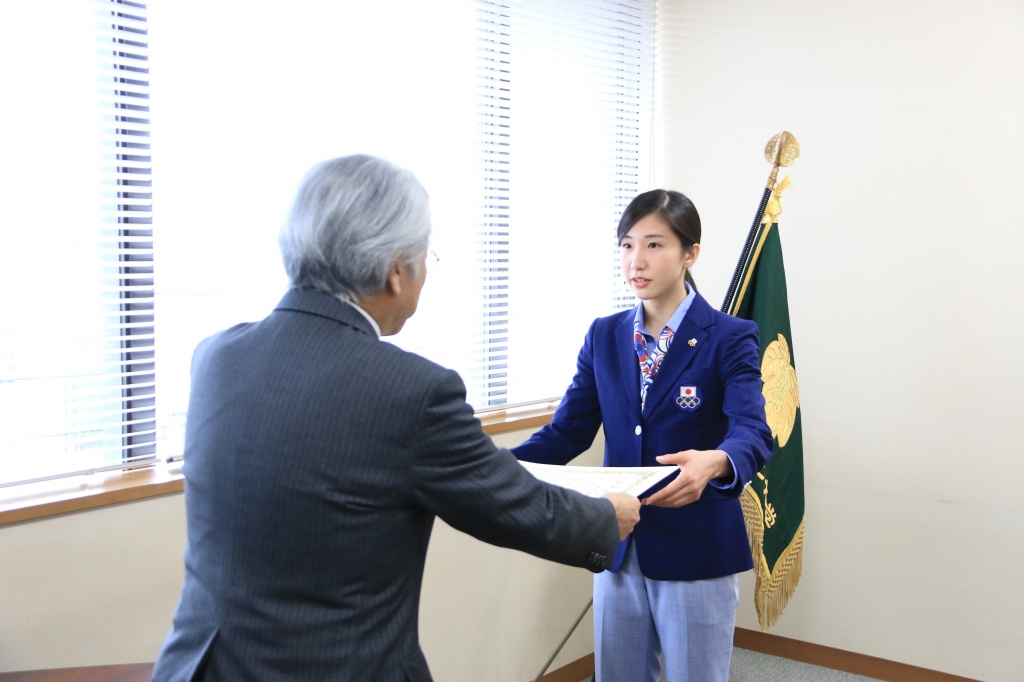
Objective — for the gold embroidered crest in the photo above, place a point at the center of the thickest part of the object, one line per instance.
(769, 511)
(780, 390)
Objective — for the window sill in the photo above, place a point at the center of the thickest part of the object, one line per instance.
(60, 496)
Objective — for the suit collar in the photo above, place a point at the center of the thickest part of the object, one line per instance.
(325, 305)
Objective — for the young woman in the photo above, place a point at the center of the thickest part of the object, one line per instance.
(673, 382)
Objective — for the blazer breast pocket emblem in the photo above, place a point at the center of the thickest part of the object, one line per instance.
(689, 398)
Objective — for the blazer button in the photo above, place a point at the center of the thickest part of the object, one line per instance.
(637, 430)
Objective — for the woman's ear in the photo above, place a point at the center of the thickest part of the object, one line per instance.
(691, 256)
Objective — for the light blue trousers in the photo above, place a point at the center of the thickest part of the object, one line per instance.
(641, 623)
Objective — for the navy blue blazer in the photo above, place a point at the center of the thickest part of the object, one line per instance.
(715, 358)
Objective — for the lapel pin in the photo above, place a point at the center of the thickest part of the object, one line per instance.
(692, 342)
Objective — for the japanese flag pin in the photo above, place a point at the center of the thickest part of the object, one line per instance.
(689, 398)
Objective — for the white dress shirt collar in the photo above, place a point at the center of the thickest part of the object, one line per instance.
(373, 322)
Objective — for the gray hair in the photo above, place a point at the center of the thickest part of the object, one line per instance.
(352, 218)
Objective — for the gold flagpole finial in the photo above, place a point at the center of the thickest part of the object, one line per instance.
(781, 150)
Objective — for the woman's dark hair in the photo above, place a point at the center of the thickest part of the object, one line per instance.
(674, 208)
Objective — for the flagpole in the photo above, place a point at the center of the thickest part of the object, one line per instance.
(781, 150)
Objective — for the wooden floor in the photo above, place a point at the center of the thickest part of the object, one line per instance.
(786, 649)
(132, 672)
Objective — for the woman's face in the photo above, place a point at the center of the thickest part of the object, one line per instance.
(654, 262)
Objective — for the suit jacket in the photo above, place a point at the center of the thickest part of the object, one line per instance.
(715, 357)
(316, 458)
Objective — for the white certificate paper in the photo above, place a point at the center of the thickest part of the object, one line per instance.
(596, 481)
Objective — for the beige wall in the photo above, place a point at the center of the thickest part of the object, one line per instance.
(903, 235)
(99, 587)
(90, 588)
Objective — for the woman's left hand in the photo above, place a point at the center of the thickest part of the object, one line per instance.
(696, 468)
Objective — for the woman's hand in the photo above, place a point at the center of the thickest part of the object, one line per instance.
(696, 468)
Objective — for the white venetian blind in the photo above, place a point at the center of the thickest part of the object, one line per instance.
(528, 123)
(566, 89)
(77, 380)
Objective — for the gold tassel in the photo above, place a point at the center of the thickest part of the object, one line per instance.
(772, 589)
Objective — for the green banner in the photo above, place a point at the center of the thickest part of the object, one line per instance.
(773, 504)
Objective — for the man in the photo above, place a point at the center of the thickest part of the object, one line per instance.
(317, 456)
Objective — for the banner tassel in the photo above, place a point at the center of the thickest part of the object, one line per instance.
(772, 590)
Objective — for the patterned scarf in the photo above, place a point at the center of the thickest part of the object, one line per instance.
(649, 363)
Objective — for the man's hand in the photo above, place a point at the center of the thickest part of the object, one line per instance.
(627, 511)
(696, 468)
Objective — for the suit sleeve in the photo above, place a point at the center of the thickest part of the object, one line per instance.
(575, 422)
(482, 490)
(748, 440)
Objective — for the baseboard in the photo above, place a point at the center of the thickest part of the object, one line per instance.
(838, 659)
(578, 670)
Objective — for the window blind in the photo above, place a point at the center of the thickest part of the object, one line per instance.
(565, 92)
(528, 123)
(77, 372)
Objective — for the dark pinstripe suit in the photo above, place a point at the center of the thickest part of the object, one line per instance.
(316, 458)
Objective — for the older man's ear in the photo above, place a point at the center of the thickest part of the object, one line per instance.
(395, 279)
(397, 301)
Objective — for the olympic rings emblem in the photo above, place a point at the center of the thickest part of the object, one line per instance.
(688, 402)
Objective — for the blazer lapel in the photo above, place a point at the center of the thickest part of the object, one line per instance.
(629, 364)
(690, 339)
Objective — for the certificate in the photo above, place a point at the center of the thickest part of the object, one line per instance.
(596, 481)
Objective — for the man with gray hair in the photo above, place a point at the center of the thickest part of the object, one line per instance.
(317, 456)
